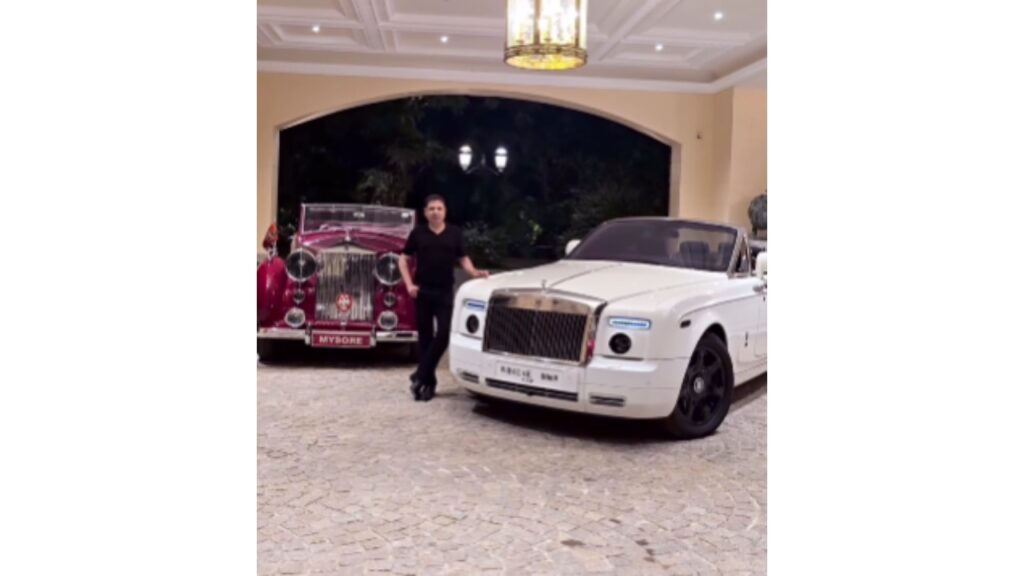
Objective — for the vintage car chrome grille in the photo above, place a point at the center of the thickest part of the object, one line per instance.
(350, 272)
(523, 326)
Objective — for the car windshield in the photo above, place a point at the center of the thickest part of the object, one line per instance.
(665, 242)
(317, 217)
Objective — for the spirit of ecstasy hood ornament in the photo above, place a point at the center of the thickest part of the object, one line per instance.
(544, 285)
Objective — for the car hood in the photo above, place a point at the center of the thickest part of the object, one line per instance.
(603, 280)
(368, 239)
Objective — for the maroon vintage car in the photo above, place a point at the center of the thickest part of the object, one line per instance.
(340, 286)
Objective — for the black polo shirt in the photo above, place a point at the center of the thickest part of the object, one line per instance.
(436, 255)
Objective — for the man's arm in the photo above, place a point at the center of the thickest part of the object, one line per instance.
(411, 244)
(403, 267)
(464, 261)
(467, 265)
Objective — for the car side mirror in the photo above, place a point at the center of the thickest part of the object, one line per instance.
(761, 266)
(571, 246)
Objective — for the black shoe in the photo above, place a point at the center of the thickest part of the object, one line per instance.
(427, 392)
(416, 388)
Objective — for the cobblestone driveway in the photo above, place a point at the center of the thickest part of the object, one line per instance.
(356, 478)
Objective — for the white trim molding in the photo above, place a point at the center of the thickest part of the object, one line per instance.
(515, 79)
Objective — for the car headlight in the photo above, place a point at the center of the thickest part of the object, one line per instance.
(620, 343)
(300, 265)
(629, 323)
(476, 305)
(295, 318)
(386, 271)
(387, 320)
(473, 313)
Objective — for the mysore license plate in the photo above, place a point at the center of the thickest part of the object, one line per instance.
(341, 340)
(531, 376)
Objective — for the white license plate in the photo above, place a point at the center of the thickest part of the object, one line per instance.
(531, 376)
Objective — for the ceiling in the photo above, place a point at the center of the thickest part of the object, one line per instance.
(405, 38)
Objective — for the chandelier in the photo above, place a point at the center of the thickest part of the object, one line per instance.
(546, 34)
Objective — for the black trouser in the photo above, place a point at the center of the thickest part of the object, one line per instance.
(431, 305)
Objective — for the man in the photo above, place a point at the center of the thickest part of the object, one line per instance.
(437, 247)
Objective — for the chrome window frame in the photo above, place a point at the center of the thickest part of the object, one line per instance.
(742, 249)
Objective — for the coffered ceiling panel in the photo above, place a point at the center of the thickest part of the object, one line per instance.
(699, 45)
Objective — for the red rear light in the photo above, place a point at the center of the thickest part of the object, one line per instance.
(270, 240)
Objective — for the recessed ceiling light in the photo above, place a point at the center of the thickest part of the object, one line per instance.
(719, 15)
(316, 28)
(444, 39)
(659, 47)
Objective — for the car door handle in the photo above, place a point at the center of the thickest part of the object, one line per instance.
(761, 288)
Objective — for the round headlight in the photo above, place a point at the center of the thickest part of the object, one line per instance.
(620, 343)
(299, 296)
(472, 324)
(300, 265)
(295, 318)
(390, 299)
(387, 320)
(386, 271)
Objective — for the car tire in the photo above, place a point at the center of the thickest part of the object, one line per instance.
(705, 393)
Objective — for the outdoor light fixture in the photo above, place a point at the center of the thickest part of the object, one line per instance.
(466, 159)
(500, 158)
(546, 34)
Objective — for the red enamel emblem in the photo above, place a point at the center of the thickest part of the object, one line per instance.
(344, 303)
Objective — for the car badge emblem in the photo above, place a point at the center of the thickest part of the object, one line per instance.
(344, 304)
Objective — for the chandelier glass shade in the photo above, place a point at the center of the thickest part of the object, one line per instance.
(546, 34)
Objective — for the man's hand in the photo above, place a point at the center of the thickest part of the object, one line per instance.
(482, 274)
(413, 290)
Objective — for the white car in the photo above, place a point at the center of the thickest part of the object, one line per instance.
(646, 318)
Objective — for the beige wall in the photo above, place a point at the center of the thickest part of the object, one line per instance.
(722, 152)
(697, 189)
(748, 160)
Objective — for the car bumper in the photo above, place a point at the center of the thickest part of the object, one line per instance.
(303, 334)
(606, 386)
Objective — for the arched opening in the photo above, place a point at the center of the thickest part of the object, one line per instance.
(567, 170)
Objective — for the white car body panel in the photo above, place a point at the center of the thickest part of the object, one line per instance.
(681, 305)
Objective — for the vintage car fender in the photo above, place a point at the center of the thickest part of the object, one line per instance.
(271, 280)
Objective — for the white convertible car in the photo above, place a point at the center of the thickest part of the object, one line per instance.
(646, 318)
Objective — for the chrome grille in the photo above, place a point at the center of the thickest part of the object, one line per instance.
(541, 333)
(350, 272)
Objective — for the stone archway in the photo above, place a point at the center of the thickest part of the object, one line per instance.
(676, 119)
(570, 171)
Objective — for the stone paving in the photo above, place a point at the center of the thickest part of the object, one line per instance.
(357, 478)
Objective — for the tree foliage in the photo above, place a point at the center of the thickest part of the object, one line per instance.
(568, 171)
